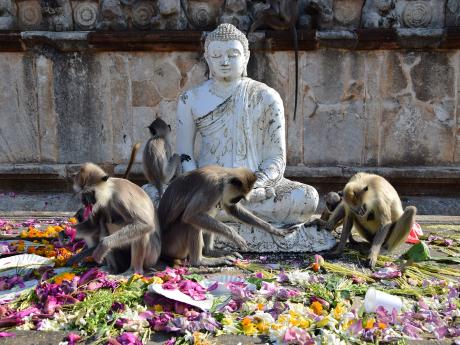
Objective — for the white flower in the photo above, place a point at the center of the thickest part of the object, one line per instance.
(49, 325)
(265, 317)
(298, 277)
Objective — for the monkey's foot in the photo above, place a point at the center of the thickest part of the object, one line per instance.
(216, 253)
(221, 261)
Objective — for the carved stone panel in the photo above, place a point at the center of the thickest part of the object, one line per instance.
(421, 13)
(453, 13)
(201, 14)
(29, 15)
(236, 13)
(142, 13)
(337, 14)
(380, 14)
(85, 14)
(111, 16)
(7, 14)
(57, 15)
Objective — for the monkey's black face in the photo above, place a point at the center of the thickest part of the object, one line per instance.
(88, 197)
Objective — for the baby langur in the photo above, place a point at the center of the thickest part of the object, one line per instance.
(372, 206)
(188, 208)
(160, 165)
(122, 216)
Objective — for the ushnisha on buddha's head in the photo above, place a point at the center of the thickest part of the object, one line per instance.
(227, 53)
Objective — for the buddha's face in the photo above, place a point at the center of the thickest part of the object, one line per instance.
(226, 59)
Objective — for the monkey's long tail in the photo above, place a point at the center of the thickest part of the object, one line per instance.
(131, 159)
(296, 56)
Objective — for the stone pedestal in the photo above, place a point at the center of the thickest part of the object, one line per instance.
(306, 239)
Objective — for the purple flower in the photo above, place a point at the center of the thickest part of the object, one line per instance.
(160, 322)
(5, 334)
(120, 322)
(171, 341)
(282, 277)
(192, 289)
(129, 338)
(50, 305)
(268, 289)
(73, 338)
(117, 306)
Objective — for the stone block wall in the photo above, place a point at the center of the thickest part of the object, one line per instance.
(371, 108)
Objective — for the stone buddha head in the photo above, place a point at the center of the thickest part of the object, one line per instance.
(226, 53)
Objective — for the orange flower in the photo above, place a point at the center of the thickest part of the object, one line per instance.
(73, 220)
(317, 308)
(260, 306)
(315, 267)
(66, 276)
(246, 321)
(369, 323)
(382, 325)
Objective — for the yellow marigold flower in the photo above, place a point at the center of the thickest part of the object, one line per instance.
(260, 306)
(304, 323)
(246, 321)
(347, 324)
(158, 308)
(323, 322)
(317, 308)
(72, 220)
(338, 311)
(64, 276)
(369, 323)
(23, 234)
(226, 321)
(157, 280)
(293, 313)
(283, 318)
(250, 329)
(262, 327)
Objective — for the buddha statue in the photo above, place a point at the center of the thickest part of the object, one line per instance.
(240, 122)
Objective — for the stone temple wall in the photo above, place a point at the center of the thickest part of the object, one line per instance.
(378, 81)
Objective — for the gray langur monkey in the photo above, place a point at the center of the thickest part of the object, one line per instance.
(159, 163)
(372, 206)
(122, 216)
(188, 207)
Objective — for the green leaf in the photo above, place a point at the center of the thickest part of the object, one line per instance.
(418, 252)
(194, 276)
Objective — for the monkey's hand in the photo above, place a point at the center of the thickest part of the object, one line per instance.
(284, 231)
(101, 251)
(372, 260)
(184, 157)
(240, 242)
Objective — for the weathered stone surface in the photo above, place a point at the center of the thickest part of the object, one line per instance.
(420, 117)
(19, 134)
(46, 110)
(167, 78)
(421, 13)
(145, 94)
(84, 128)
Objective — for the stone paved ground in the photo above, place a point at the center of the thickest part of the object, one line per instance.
(430, 225)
